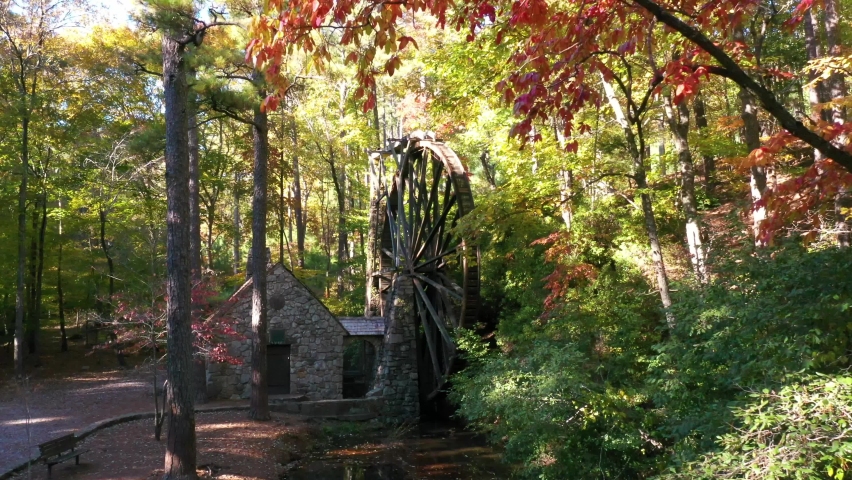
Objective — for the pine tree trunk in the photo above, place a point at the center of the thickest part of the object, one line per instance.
(259, 408)
(678, 119)
(180, 458)
(199, 370)
(194, 201)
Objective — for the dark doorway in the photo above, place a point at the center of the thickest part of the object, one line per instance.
(359, 368)
(278, 369)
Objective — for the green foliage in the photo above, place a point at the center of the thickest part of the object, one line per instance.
(555, 419)
(564, 394)
(763, 321)
(802, 431)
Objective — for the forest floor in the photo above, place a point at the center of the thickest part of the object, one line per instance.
(230, 447)
(65, 393)
(50, 407)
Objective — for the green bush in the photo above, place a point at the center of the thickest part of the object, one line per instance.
(802, 431)
(553, 417)
(765, 321)
(565, 395)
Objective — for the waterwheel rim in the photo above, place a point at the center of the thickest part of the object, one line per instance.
(429, 195)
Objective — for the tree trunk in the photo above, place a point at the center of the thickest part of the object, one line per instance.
(639, 175)
(751, 133)
(297, 199)
(211, 215)
(836, 82)
(837, 91)
(180, 459)
(59, 294)
(31, 290)
(678, 120)
(484, 159)
(339, 181)
(818, 94)
(283, 189)
(194, 203)
(199, 370)
(282, 221)
(709, 161)
(237, 224)
(39, 277)
(259, 408)
(565, 178)
(373, 265)
(102, 217)
(20, 302)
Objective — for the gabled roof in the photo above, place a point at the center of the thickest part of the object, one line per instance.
(359, 326)
(245, 292)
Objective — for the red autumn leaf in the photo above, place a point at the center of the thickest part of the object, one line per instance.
(404, 41)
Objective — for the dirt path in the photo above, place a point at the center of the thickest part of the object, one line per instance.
(230, 447)
(55, 407)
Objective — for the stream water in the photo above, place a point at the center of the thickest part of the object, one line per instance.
(430, 451)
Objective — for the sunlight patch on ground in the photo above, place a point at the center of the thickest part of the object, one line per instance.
(24, 421)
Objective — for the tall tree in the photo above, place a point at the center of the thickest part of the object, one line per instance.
(678, 120)
(224, 98)
(636, 149)
(709, 162)
(194, 204)
(179, 31)
(259, 409)
(26, 26)
(298, 210)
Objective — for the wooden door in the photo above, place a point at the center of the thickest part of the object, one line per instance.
(278, 369)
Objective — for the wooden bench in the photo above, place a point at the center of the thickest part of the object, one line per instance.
(59, 450)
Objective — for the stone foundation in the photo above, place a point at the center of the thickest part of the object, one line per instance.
(397, 377)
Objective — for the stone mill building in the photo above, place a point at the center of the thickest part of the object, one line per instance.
(312, 354)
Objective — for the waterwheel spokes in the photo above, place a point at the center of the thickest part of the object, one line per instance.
(431, 341)
(429, 195)
(429, 198)
(437, 228)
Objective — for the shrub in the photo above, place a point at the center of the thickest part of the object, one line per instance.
(803, 430)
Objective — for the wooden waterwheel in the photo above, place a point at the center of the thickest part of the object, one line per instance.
(424, 202)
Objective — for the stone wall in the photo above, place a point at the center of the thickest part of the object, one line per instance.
(397, 377)
(314, 334)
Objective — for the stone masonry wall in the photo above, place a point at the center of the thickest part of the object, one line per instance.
(396, 378)
(314, 334)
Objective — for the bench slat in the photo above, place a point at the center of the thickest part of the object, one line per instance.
(58, 446)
